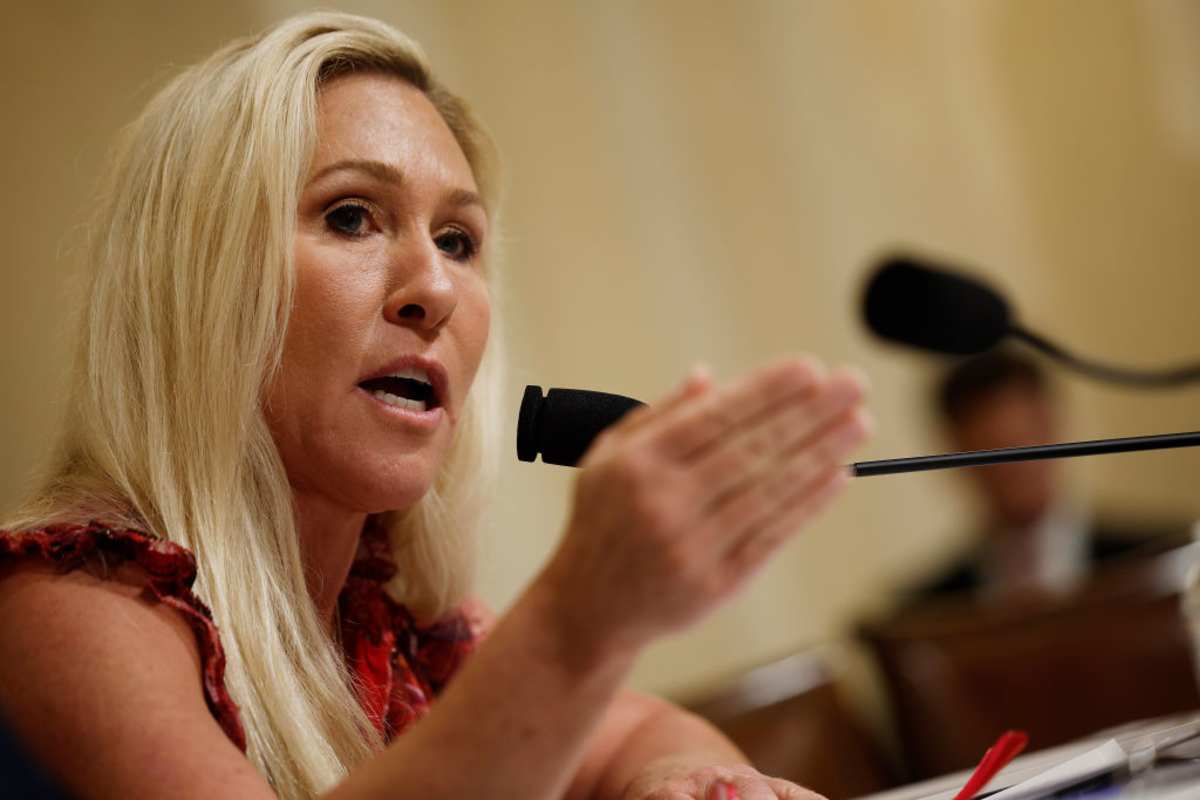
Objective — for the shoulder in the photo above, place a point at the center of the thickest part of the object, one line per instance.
(95, 675)
(1110, 540)
(68, 621)
(953, 579)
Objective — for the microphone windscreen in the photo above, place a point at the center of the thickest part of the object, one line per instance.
(562, 425)
(924, 305)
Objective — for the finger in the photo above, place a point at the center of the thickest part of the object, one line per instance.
(770, 440)
(751, 506)
(786, 790)
(693, 426)
(759, 544)
(750, 788)
(695, 383)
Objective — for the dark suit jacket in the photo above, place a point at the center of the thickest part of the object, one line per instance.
(1106, 543)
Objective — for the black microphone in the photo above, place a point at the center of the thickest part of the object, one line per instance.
(562, 425)
(919, 303)
(934, 309)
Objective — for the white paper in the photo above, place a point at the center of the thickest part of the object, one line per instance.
(1096, 761)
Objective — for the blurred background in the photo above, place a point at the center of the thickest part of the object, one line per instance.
(709, 182)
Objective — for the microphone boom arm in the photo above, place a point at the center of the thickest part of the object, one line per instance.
(977, 458)
(1175, 376)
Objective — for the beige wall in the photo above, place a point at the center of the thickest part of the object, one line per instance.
(707, 181)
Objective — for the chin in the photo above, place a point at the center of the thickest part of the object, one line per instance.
(397, 492)
(376, 483)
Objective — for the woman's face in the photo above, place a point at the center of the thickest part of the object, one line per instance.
(391, 307)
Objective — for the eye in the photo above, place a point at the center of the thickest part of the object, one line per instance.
(349, 219)
(457, 244)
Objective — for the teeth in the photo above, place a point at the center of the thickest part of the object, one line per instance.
(400, 402)
(412, 373)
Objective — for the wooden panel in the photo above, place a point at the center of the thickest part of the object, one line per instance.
(1117, 651)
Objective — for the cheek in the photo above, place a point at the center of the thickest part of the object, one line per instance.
(477, 325)
(333, 304)
(325, 330)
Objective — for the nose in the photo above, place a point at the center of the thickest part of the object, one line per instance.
(425, 294)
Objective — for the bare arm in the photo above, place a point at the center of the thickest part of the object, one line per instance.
(636, 731)
(513, 723)
(104, 689)
(639, 730)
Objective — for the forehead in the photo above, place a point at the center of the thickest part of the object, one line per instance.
(378, 117)
(1015, 403)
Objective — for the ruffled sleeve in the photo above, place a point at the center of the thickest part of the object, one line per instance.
(170, 572)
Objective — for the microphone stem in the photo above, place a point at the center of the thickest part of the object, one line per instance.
(1174, 376)
(977, 458)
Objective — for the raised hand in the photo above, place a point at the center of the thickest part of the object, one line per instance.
(682, 501)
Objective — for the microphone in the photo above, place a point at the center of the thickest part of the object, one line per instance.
(922, 304)
(562, 425)
(934, 309)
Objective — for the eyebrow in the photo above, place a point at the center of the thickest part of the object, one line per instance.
(389, 173)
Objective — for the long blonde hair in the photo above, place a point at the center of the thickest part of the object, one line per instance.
(182, 329)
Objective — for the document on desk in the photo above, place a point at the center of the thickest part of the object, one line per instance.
(1098, 761)
(1136, 745)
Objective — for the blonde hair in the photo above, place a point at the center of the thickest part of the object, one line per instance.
(183, 328)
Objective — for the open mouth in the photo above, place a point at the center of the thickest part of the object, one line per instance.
(408, 388)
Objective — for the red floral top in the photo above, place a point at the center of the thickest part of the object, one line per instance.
(399, 666)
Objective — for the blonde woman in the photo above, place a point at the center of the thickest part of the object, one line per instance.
(281, 413)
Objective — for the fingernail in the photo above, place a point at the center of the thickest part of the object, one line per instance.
(863, 379)
(867, 420)
(698, 375)
(726, 791)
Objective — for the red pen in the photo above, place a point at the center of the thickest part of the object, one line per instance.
(997, 757)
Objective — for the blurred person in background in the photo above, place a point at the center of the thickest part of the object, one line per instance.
(1035, 540)
(246, 571)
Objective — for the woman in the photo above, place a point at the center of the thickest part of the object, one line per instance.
(282, 394)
